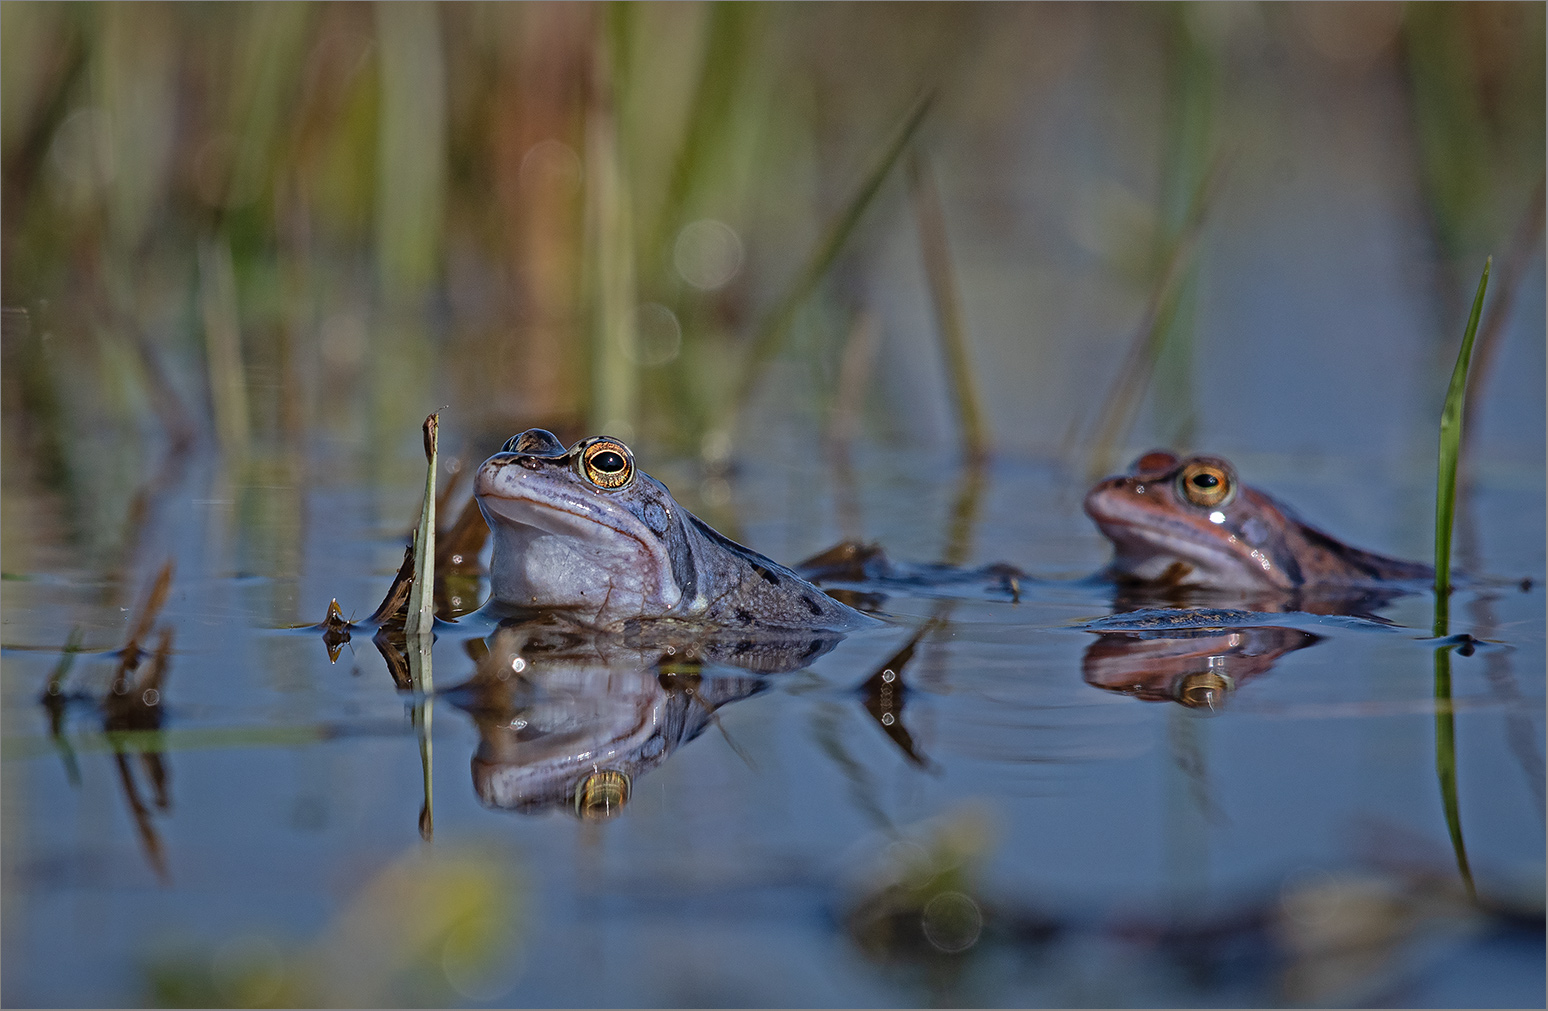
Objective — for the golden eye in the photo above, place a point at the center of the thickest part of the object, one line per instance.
(1207, 483)
(1204, 690)
(608, 464)
(602, 794)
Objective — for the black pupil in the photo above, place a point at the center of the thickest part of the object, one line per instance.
(1205, 480)
(608, 462)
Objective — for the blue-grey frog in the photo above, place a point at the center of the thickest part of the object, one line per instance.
(584, 529)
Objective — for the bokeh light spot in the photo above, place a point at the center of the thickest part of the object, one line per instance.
(658, 336)
(708, 253)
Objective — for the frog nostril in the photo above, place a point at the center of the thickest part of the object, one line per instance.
(529, 462)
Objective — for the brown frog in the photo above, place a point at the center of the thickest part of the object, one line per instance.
(1191, 523)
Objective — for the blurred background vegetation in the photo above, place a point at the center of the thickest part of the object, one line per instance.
(256, 226)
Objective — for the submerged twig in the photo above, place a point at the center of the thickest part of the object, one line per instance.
(146, 613)
(885, 694)
(394, 653)
(150, 839)
(150, 607)
(134, 706)
(54, 700)
(394, 606)
(335, 630)
(135, 703)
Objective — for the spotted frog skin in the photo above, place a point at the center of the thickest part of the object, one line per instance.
(1192, 523)
(584, 529)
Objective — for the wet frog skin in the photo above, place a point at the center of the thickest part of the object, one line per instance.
(1192, 523)
(585, 529)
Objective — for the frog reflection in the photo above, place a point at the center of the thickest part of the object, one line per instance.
(570, 717)
(1195, 667)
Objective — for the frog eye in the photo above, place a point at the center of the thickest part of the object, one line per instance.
(608, 464)
(602, 794)
(1204, 690)
(1207, 483)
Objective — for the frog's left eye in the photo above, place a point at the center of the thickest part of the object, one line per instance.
(1207, 483)
(608, 464)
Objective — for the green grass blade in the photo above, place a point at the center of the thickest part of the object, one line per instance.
(1445, 507)
(615, 379)
(775, 325)
(1178, 262)
(726, 59)
(1450, 440)
(948, 305)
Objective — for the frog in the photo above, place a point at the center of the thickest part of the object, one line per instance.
(584, 529)
(1191, 522)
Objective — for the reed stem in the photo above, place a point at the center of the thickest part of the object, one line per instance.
(419, 627)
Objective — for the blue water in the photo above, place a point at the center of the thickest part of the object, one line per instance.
(728, 877)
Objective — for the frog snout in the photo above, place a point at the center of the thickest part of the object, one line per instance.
(1102, 491)
(486, 480)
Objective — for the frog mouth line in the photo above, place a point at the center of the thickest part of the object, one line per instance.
(1131, 536)
(581, 516)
